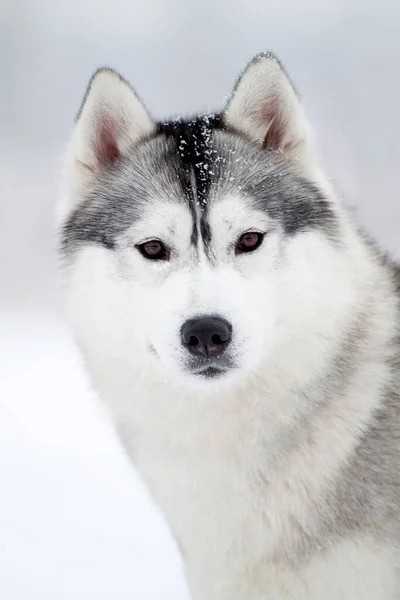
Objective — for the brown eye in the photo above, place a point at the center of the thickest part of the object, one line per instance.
(154, 250)
(249, 241)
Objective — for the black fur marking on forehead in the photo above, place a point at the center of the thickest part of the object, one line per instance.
(195, 147)
(193, 138)
(196, 162)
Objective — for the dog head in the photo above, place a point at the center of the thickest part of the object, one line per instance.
(203, 247)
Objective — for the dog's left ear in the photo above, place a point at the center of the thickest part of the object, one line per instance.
(265, 106)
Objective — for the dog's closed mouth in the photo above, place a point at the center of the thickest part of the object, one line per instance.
(210, 372)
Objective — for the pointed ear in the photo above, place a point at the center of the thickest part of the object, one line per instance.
(265, 106)
(110, 121)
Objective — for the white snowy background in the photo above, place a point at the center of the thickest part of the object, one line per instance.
(75, 521)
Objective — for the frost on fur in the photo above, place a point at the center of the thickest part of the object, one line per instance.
(265, 106)
(111, 120)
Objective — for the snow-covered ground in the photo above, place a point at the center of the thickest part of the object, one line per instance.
(75, 521)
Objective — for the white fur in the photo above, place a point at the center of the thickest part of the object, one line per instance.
(264, 98)
(110, 102)
(213, 453)
(207, 450)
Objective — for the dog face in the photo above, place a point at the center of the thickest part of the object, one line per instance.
(202, 247)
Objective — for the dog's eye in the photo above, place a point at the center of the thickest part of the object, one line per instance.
(154, 250)
(249, 241)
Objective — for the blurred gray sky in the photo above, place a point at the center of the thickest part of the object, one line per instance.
(183, 56)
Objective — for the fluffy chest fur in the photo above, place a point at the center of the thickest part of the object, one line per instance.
(246, 488)
(245, 336)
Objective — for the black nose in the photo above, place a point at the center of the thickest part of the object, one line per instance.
(206, 336)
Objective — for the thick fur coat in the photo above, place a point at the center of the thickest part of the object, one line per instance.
(245, 336)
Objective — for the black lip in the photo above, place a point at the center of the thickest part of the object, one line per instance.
(210, 372)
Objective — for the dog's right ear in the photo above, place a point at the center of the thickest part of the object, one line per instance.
(110, 121)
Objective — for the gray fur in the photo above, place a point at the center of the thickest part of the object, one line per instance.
(228, 163)
(228, 457)
(365, 498)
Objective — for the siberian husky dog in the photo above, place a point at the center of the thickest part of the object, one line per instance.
(245, 336)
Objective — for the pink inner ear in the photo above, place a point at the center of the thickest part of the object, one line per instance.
(276, 130)
(106, 147)
(274, 135)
